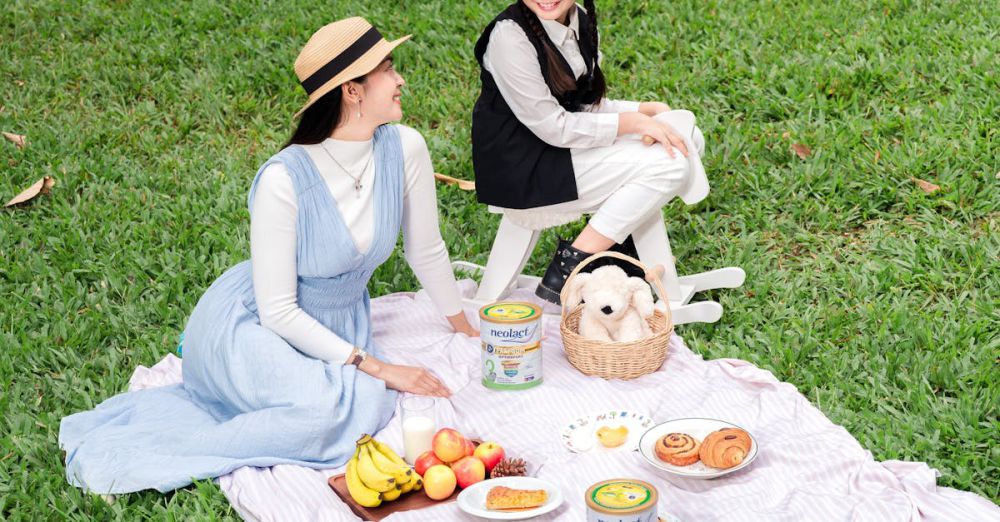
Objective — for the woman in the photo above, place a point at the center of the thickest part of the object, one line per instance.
(546, 139)
(279, 364)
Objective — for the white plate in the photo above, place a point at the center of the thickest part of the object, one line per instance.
(699, 429)
(472, 499)
(580, 435)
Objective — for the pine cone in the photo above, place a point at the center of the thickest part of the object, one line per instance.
(509, 468)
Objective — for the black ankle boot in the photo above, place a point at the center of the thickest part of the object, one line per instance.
(562, 265)
(627, 248)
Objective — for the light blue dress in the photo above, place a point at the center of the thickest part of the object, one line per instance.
(248, 397)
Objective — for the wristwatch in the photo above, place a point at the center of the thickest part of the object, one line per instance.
(358, 356)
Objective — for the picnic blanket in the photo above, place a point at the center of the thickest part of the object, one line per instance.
(808, 468)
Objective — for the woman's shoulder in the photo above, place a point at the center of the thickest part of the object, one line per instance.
(289, 169)
(287, 159)
(411, 140)
(416, 156)
(276, 167)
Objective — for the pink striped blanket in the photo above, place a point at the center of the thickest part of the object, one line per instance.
(808, 468)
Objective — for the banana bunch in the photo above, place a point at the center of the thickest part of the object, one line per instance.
(376, 473)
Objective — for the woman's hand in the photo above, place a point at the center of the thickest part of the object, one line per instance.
(461, 325)
(653, 108)
(411, 379)
(645, 126)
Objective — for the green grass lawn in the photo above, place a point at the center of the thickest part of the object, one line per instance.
(877, 300)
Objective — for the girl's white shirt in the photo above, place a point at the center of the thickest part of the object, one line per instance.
(512, 60)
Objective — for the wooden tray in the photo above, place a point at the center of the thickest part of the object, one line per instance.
(408, 502)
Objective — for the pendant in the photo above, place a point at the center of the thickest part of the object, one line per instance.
(357, 187)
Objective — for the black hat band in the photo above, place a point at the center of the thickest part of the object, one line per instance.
(342, 61)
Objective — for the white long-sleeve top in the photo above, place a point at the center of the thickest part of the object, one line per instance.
(513, 61)
(273, 237)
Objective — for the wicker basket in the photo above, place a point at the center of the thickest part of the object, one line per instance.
(616, 360)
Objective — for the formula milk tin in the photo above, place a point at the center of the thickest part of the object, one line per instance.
(511, 333)
(621, 500)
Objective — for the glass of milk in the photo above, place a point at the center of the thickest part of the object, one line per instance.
(418, 426)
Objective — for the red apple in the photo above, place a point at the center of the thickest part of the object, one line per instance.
(490, 453)
(468, 471)
(448, 444)
(470, 448)
(424, 461)
(439, 482)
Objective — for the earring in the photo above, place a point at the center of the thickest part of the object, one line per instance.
(359, 109)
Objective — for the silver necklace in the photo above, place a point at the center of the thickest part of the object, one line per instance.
(357, 179)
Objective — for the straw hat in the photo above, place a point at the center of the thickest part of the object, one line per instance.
(338, 52)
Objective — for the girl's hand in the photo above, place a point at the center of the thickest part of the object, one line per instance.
(410, 379)
(674, 139)
(461, 325)
(653, 108)
(651, 129)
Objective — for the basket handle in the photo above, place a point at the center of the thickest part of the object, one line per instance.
(651, 275)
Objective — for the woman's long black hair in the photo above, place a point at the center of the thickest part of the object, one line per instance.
(319, 120)
(560, 81)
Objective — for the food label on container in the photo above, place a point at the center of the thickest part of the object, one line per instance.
(512, 335)
(621, 495)
(512, 367)
(512, 350)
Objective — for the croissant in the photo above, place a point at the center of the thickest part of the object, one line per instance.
(725, 448)
(679, 449)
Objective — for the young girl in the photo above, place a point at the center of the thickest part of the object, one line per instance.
(546, 139)
(279, 364)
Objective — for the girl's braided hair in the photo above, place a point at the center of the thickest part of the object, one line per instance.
(560, 81)
(598, 85)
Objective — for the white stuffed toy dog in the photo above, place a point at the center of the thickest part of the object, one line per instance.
(615, 306)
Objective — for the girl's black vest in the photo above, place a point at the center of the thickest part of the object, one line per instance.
(514, 167)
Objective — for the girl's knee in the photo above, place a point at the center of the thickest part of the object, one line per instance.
(665, 175)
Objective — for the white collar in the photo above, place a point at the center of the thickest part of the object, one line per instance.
(558, 32)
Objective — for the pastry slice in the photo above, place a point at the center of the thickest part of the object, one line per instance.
(501, 498)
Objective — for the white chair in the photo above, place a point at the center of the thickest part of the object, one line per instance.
(514, 245)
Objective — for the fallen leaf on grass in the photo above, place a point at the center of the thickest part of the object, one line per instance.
(786, 135)
(463, 184)
(801, 150)
(41, 186)
(926, 186)
(16, 139)
(878, 155)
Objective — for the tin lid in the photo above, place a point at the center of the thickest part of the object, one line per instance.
(621, 496)
(510, 312)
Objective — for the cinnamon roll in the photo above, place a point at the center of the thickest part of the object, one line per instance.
(725, 448)
(679, 449)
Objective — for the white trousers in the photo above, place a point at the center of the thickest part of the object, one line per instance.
(622, 185)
